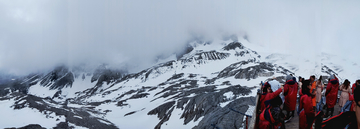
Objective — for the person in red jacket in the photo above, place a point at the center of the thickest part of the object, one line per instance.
(350, 119)
(354, 85)
(267, 95)
(331, 95)
(351, 98)
(272, 117)
(307, 116)
(290, 93)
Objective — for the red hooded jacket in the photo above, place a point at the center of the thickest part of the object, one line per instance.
(290, 92)
(332, 92)
(353, 88)
(267, 120)
(351, 98)
(302, 120)
(306, 116)
(268, 96)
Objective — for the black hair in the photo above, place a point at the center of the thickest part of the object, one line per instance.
(346, 83)
(358, 81)
(304, 87)
(312, 76)
(266, 86)
(357, 95)
(320, 79)
(277, 101)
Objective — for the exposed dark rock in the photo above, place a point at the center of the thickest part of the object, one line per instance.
(226, 83)
(39, 104)
(200, 57)
(233, 46)
(284, 71)
(327, 70)
(30, 126)
(63, 125)
(66, 81)
(187, 50)
(121, 103)
(126, 93)
(162, 109)
(225, 118)
(130, 113)
(98, 103)
(176, 76)
(56, 77)
(192, 75)
(262, 69)
(141, 95)
(57, 94)
(242, 53)
(154, 88)
(163, 112)
(169, 88)
(210, 81)
(202, 103)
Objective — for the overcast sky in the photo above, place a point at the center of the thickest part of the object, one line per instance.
(37, 35)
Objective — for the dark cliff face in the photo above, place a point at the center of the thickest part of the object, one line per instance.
(233, 46)
(211, 100)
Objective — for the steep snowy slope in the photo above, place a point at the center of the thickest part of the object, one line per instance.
(208, 81)
(204, 88)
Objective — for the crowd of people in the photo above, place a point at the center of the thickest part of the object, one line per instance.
(315, 107)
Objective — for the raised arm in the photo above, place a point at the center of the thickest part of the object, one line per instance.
(274, 94)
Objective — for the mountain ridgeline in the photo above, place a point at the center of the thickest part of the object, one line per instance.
(205, 87)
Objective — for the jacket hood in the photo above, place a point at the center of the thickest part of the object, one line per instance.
(288, 77)
(332, 77)
(290, 82)
(334, 81)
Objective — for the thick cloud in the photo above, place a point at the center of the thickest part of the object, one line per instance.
(37, 35)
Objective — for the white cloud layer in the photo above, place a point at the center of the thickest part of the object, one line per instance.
(37, 35)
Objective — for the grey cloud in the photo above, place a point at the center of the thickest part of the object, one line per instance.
(37, 35)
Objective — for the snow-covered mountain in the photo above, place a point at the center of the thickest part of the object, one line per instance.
(206, 87)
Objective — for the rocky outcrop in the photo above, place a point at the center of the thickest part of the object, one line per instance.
(233, 46)
(228, 116)
(78, 116)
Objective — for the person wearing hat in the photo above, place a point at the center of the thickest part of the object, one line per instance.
(268, 93)
(290, 92)
(350, 119)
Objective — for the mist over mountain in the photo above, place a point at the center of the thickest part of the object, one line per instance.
(164, 64)
(212, 84)
(39, 35)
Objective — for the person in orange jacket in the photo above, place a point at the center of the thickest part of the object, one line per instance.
(313, 85)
